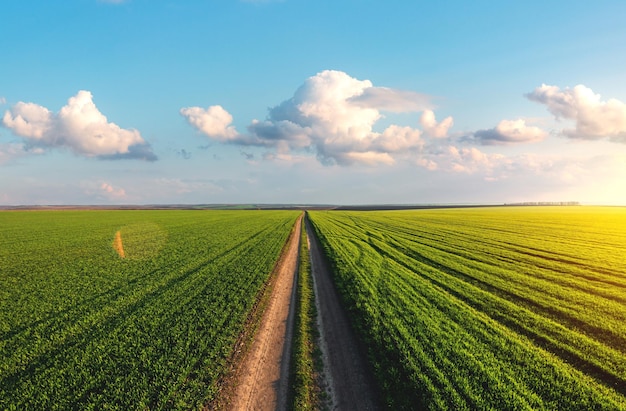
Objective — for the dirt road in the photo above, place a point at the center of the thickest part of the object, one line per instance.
(263, 382)
(351, 384)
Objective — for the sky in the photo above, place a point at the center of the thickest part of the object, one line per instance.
(312, 102)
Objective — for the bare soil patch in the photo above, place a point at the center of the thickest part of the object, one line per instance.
(117, 244)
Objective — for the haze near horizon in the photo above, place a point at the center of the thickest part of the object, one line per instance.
(161, 102)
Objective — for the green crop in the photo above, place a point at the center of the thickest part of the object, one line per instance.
(305, 391)
(82, 327)
(500, 308)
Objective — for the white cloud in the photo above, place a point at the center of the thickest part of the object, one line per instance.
(3, 100)
(213, 121)
(332, 115)
(432, 128)
(28, 120)
(537, 176)
(510, 132)
(79, 126)
(112, 193)
(466, 161)
(395, 139)
(368, 158)
(594, 119)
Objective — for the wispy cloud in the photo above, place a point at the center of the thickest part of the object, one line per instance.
(186, 155)
(11, 151)
(78, 126)
(388, 99)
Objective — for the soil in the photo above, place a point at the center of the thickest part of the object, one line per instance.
(262, 383)
(262, 378)
(348, 379)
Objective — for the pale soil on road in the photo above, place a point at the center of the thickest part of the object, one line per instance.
(349, 381)
(262, 380)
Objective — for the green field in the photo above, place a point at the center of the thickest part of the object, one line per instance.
(496, 308)
(83, 328)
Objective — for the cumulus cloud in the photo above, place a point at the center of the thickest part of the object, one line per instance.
(213, 121)
(432, 128)
(594, 118)
(332, 115)
(78, 126)
(509, 132)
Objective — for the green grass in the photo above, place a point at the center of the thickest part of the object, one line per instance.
(305, 390)
(511, 308)
(82, 328)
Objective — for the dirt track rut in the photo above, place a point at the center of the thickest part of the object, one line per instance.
(263, 379)
(351, 383)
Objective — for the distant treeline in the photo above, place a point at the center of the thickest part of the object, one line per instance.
(546, 203)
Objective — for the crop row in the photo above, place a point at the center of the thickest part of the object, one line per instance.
(83, 328)
(487, 309)
(305, 361)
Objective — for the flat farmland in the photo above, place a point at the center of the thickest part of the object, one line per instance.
(494, 308)
(127, 309)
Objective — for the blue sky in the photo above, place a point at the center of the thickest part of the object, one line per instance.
(296, 101)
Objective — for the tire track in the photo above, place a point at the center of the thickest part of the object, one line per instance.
(348, 377)
(264, 377)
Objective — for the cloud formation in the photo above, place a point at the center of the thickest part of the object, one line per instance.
(332, 115)
(111, 192)
(594, 119)
(213, 121)
(432, 128)
(10, 151)
(78, 126)
(509, 132)
(388, 99)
